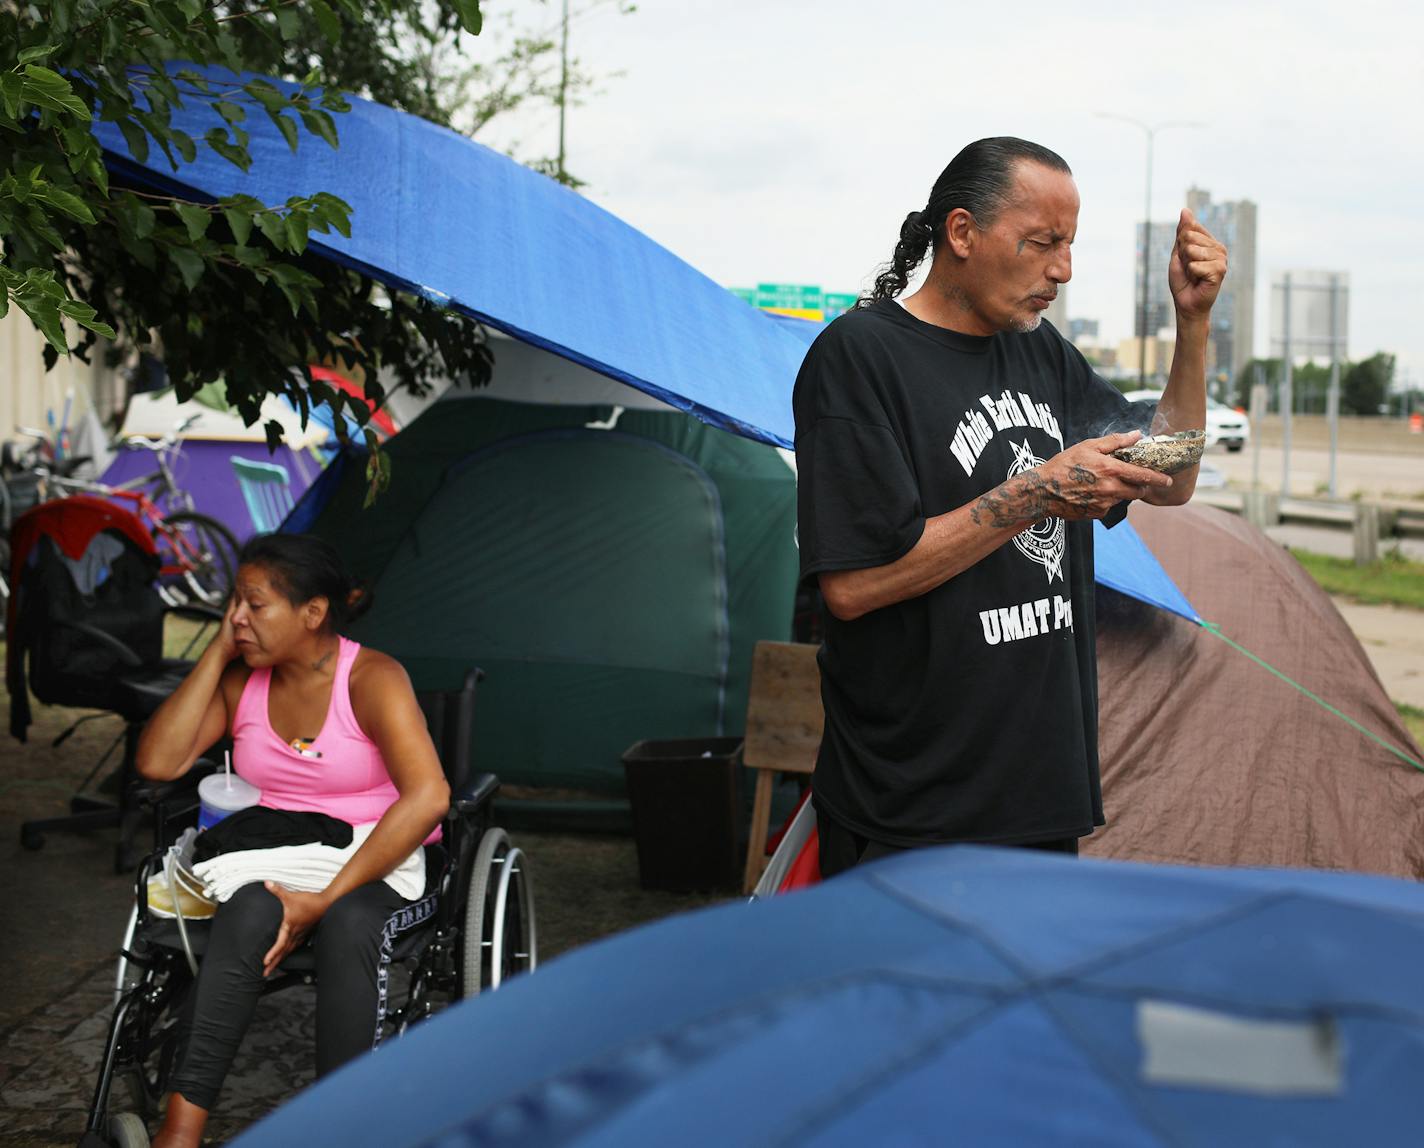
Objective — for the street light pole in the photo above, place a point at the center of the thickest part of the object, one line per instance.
(1150, 131)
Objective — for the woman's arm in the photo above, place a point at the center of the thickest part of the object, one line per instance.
(386, 710)
(194, 715)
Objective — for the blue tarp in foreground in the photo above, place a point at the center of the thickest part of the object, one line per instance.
(956, 995)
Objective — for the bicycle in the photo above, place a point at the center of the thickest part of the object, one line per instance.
(197, 553)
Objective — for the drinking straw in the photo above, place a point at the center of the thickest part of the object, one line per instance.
(227, 767)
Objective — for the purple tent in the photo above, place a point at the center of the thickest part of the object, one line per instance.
(202, 464)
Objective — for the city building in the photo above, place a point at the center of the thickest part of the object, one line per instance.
(1159, 350)
(1082, 331)
(1160, 314)
(1233, 318)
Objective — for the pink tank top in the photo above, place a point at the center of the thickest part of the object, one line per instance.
(348, 781)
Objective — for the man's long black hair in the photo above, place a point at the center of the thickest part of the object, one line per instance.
(979, 179)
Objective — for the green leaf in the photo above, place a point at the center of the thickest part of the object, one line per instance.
(44, 314)
(273, 429)
(47, 89)
(231, 112)
(335, 211)
(135, 217)
(29, 55)
(296, 225)
(217, 139)
(326, 20)
(66, 203)
(83, 314)
(274, 229)
(185, 145)
(195, 218)
(266, 94)
(10, 88)
(96, 171)
(239, 221)
(289, 24)
(469, 13)
(191, 8)
(250, 256)
(190, 265)
(136, 138)
(288, 126)
(321, 124)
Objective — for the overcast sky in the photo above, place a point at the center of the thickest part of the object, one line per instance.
(784, 140)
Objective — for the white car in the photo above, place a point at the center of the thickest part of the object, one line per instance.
(1223, 424)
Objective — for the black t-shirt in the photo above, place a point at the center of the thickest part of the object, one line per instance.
(968, 713)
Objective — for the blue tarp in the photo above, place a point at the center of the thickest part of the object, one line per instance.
(442, 216)
(445, 217)
(1126, 565)
(955, 995)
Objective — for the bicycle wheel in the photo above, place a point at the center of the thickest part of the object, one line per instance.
(199, 556)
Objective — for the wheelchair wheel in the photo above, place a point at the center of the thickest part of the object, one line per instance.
(127, 1130)
(501, 938)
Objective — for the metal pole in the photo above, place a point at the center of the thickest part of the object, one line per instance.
(1150, 131)
(1146, 265)
(1258, 417)
(563, 86)
(1332, 401)
(1287, 399)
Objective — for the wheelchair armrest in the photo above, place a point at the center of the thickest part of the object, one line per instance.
(151, 794)
(125, 654)
(474, 794)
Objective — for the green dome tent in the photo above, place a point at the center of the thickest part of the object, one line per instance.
(610, 569)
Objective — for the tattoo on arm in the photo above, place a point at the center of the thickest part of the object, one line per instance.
(1022, 499)
(1030, 497)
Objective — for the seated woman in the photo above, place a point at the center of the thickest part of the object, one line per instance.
(277, 673)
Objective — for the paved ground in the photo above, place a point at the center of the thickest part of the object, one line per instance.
(69, 910)
(1394, 640)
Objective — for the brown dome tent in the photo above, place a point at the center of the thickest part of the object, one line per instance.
(1210, 758)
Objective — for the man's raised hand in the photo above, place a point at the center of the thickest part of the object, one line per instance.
(1196, 269)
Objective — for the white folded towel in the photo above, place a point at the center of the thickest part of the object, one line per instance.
(302, 868)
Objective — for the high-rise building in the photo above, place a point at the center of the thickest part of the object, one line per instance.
(1159, 296)
(1233, 325)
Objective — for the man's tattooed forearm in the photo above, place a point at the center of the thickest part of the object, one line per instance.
(1025, 498)
(1030, 497)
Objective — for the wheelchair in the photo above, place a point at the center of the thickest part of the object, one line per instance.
(473, 929)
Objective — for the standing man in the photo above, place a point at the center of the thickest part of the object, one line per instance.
(952, 453)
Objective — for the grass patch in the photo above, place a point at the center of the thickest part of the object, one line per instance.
(1393, 579)
(1413, 720)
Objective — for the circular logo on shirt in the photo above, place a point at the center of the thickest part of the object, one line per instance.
(1045, 540)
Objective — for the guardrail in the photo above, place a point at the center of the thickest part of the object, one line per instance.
(1369, 521)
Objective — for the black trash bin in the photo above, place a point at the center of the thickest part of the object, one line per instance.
(685, 801)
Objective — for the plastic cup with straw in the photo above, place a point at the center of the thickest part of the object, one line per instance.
(222, 794)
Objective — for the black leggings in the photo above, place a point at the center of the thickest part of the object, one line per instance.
(352, 943)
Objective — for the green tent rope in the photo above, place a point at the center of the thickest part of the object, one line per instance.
(1213, 628)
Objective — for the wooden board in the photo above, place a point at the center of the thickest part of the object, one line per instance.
(784, 716)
